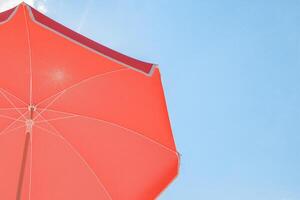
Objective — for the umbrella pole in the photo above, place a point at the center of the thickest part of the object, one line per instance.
(29, 124)
(23, 164)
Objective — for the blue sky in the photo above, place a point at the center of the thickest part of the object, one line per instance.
(231, 77)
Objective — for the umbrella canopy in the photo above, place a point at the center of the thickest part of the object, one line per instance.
(78, 120)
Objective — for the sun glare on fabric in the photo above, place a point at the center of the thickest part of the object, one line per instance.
(58, 75)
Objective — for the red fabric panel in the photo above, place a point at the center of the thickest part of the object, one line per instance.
(137, 64)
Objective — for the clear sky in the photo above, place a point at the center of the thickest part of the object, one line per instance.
(231, 73)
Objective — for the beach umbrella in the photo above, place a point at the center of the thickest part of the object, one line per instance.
(78, 120)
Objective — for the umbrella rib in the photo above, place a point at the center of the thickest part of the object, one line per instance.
(84, 81)
(115, 125)
(52, 102)
(2, 109)
(54, 119)
(11, 124)
(8, 117)
(11, 103)
(59, 135)
(14, 96)
(29, 55)
(11, 130)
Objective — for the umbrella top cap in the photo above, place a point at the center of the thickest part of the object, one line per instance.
(32, 108)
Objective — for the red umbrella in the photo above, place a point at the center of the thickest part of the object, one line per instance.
(78, 120)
